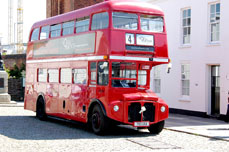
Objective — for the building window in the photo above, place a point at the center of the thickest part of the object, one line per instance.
(186, 26)
(157, 79)
(185, 79)
(214, 22)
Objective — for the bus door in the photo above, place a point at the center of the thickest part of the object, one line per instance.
(98, 80)
(92, 81)
(102, 80)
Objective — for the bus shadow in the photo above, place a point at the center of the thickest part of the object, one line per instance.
(31, 128)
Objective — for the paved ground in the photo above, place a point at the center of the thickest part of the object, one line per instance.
(21, 131)
(199, 126)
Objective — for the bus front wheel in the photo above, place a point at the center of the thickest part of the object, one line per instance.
(40, 110)
(98, 123)
(156, 128)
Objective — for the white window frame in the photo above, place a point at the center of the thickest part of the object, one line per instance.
(157, 77)
(212, 41)
(185, 76)
(186, 26)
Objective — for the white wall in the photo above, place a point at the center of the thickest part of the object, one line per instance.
(200, 54)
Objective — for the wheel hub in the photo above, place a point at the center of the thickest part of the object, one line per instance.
(96, 120)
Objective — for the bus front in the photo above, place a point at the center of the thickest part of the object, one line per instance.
(138, 43)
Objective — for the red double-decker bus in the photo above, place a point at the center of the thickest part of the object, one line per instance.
(93, 65)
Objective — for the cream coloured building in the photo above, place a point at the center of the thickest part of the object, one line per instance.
(198, 39)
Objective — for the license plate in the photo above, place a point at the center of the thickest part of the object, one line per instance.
(141, 124)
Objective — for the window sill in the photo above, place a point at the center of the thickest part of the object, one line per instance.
(185, 46)
(213, 44)
(185, 99)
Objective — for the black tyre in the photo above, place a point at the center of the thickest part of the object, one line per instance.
(40, 111)
(98, 121)
(156, 128)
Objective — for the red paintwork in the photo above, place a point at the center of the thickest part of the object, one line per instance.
(108, 42)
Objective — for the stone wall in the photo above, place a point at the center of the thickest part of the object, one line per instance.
(16, 89)
(10, 60)
(56, 7)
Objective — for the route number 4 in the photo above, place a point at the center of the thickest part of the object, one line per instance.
(130, 38)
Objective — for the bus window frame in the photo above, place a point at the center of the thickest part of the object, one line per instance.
(122, 11)
(89, 73)
(84, 18)
(91, 19)
(152, 15)
(30, 40)
(58, 81)
(48, 32)
(74, 27)
(117, 78)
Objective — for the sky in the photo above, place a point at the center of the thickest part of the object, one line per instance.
(34, 10)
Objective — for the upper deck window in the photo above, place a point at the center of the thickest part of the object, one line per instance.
(35, 34)
(100, 21)
(55, 30)
(82, 24)
(44, 32)
(68, 28)
(152, 23)
(125, 20)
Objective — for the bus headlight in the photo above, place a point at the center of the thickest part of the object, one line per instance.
(116, 108)
(163, 109)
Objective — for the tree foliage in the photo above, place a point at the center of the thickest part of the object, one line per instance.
(16, 72)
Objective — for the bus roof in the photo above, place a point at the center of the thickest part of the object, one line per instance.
(119, 5)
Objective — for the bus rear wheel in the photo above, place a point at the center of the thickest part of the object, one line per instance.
(156, 128)
(40, 110)
(98, 123)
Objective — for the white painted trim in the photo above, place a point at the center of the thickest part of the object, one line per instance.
(160, 60)
(96, 58)
(66, 59)
(138, 58)
(128, 58)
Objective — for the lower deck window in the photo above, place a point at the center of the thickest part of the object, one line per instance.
(103, 77)
(79, 76)
(142, 77)
(66, 75)
(53, 75)
(42, 75)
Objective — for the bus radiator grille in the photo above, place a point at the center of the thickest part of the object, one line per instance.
(149, 114)
(133, 112)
